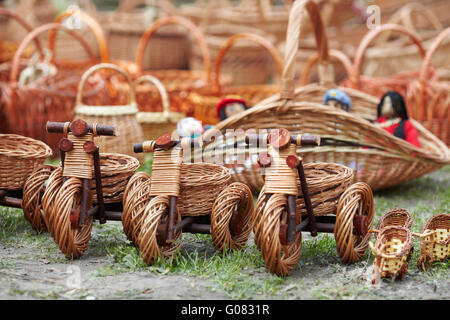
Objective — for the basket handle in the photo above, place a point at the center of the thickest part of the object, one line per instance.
(248, 36)
(292, 44)
(12, 15)
(338, 55)
(404, 17)
(110, 66)
(93, 25)
(176, 20)
(34, 34)
(369, 37)
(426, 68)
(162, 91)
(164, 5)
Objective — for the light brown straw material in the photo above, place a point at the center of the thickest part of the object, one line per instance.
(396, 217)
(54, 184)
(77, 162)
(166, 169)
(382, 160)
(392, 250)
(20, 156)
(434, 240)
(356, 200)
(155, 214)
(31, 200)
(280, 178)
(135, 199)
(223, 209)
(279, 259)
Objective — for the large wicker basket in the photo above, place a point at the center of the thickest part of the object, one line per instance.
(123, 118)
(169, 46)
(178, 83)
(154, 124)
(52, 96)
(20, 156)
(428, 98)
(376, 157)
(205, 101)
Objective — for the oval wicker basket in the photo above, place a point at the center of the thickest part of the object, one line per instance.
(376, 157)
(116, 170)
(205, 100)
(20, 156)
(200, 185)
(326, 183)
(396, 217)
(123, 118)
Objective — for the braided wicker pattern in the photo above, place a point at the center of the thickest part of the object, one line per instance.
(356, 200)
(31, 202)
(279, 259)
(77, 162)
(392, 250)
(434, 240)
(258, 217)
(54, 184)
(166, 171)
(396, 217)
(20, 156)
(200, 185)
(280, 178)
(135, 200)
(236, 194)
(326, 183)
(156, 213)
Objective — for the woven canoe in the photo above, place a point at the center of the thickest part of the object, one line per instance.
(376, 157)
(20, 156)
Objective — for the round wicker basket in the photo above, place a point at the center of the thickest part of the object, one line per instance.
(20, 156)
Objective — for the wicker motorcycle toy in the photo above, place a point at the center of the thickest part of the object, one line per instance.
(85, 177)
(313, 197)
(183, 197)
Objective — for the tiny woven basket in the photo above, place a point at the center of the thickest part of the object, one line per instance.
(123, 118)
(434, 240)
(200, 185)
(154, 124)
(20, 156)
(392, 250)
(326, 183)
(116, 170)
(396, 217)
(205, 100)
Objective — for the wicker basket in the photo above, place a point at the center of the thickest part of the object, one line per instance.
(396, 217)
(169, 46)
(154, 124)
(392, 250)
(178, 83)
(53, 96)
(200, 184)
(376, 157)
(246, 62)
(20, 156)
(205, 101)
(428, 99)
(9, 47)
(434, 241)
(116, 170)
(123, 118)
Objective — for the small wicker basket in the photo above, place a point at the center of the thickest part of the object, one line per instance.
(396, 217)
(20, 156)
(123, 118)
(154, 124)
(434, 241)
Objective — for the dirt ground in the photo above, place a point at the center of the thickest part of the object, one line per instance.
(32, 267)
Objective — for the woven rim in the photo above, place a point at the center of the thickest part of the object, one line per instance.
(398, 217)
(394, 231)
(319, 175)
(438, 221)
(159, 117)
(203, 174)
(114, 163)
(13, 145)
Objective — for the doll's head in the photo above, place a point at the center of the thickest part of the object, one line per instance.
(230, 106)
(338, 99)
(189, 128)
(392, 105)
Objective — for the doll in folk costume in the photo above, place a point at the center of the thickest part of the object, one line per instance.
(230, 106)
(393, 117)
(338, 99)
